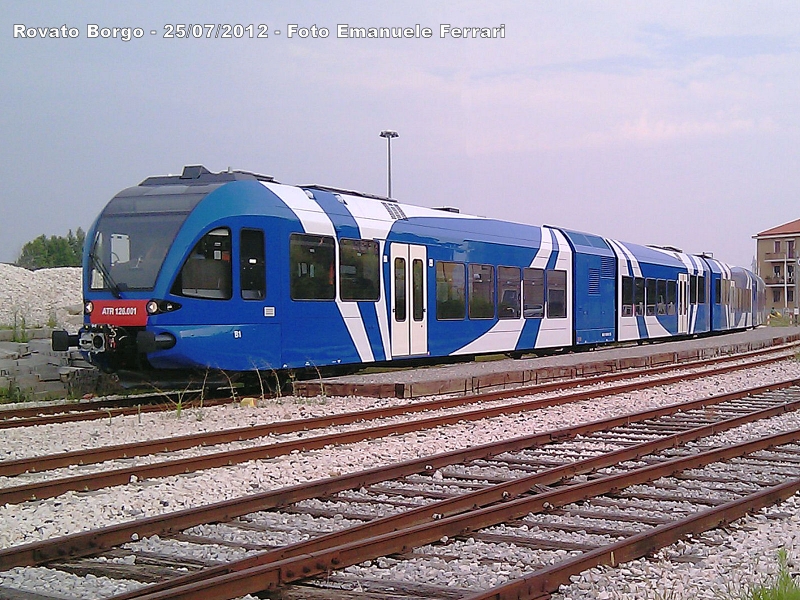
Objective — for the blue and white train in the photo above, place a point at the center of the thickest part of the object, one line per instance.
(236, 271)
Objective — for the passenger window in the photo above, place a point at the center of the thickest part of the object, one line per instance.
(400, 289)
(509, 291)
(533, 293)
(556, 294)
(627, 296)
(638, 296)
(671, 289)
(311, 267)
(359, 270)
(693, 289)
(450, 290)
(650, 295)
(661, 297)
(207, 271)
(701, 289)
(481, 292)
(417, 274)
(252, 267)
(718, 291)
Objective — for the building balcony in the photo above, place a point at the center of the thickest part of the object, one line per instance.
(780, 256)
(780, 281)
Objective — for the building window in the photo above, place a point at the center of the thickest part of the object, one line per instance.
(776, 296)
(776, 270)
(777, 246)
(790, 295)
(790, 248)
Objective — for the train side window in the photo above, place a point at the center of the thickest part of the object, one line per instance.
(359, 270)
(481, 292)
(627, 296)
(508, 283)
(207, 271)
(533, 293)
(701, 289)
(661, 297)
(450, 290)
(399, 289)
(718, 291)
(417, 299)
(556, 294)
(671, 289)
(638, 296)
(252, 267)
(650, 296)
(311, 267)
(693, 289)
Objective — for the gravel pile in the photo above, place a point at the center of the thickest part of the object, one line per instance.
(72, 512)
(40, 297)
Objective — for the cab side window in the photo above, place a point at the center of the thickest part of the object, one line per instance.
(252, 272)
(207, 271)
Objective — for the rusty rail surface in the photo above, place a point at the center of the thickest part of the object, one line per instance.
(92, 542)
(273, 575)
(96, 481)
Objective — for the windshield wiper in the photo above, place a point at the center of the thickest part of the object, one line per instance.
(98, 264)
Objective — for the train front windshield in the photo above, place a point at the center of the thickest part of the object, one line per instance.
(134, 233)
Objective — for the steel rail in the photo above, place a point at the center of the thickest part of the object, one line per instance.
(271, 576)
(10, 468)
(100, 480)
(542, 583)
(469, 501)
(71, 414)
(101, 409)
(91, 542)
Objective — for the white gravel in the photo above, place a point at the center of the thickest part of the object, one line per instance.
(73, 512)
(41, 297)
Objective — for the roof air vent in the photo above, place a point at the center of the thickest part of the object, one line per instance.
(194, 171)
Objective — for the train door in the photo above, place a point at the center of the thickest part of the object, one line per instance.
(683, 303)
(409, 300)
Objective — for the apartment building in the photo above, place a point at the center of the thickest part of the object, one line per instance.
(778, 265)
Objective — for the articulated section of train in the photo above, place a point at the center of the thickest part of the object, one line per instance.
(236, 271)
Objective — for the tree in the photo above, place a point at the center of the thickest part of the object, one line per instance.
(55, 251)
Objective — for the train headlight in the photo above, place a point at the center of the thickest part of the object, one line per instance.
(88, 307)
(152, 307)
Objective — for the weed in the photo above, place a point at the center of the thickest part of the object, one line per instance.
(784, 588)
(20, 329)
(14, 393)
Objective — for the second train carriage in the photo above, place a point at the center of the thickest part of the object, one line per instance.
(238, 272)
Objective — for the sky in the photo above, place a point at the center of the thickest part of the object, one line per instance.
(672, 123)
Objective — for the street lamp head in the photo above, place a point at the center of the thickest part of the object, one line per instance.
(388, 133)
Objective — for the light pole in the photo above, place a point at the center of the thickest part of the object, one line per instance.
(389, 134)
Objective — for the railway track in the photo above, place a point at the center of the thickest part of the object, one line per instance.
(439, 508)
(65, 412)
(47, 486)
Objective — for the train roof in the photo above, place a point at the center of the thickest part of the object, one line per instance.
(199, 175)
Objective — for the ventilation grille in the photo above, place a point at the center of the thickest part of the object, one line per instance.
(594, 282)
(394, 211)
(607, 269)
